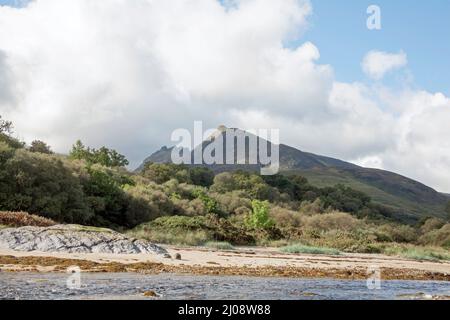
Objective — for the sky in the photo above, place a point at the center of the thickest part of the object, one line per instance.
(127, 74)
(419, 28)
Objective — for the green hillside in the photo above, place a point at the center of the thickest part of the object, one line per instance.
(408, 198)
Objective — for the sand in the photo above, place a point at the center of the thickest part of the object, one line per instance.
(248, 261)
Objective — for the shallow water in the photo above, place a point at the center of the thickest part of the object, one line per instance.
(132, 285)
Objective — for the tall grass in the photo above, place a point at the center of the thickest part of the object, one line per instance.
(418, 253)
(188, 238)
(219, 245)
(299, 248)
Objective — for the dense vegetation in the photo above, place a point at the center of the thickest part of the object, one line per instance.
(190, 205)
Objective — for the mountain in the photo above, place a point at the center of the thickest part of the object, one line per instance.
(404, 195)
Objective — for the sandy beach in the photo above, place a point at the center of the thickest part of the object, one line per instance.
(248, 261)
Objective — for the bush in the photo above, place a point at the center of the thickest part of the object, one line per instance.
(200, 176)
(285, 218)
(431, 224)
(311, 208)
(40, 147)
(192, 208)
(439, 237)
(209, 203)
(211, 228)
(42, 184)
(20, 219)
(259, 218)
(397, 233)
(185, 238)
(253, 185)
(333, 221)
(234, 202)
(163, 172)
(146, 204)
(344, 199)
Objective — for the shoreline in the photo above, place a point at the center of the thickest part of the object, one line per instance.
(245, 261)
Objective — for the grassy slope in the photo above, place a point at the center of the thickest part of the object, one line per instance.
(331, 177)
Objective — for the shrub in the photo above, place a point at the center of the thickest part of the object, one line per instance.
(344, 199)
(234, 202)
(259, 218)
(42, 184)
(333, 221)
(312, 208)
(40, 147)
(186, 238)
(20, 219)
(439, 237)
(286, 218)
(210, 204)
(212, 228)
(253, 185)
(398, 233)
(431, 224)
(192, 208)
(201, 176)
(146, 204)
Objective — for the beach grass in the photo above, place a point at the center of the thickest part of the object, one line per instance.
(219, 245)
(299, 248)
(419, 253)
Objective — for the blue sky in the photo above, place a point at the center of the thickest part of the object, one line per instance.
(14, 3)
(420, 28)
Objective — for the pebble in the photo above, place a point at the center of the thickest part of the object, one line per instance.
(150, 294)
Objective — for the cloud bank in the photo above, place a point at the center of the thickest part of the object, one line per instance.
(126, 74)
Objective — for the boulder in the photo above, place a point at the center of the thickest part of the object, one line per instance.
(74, 239)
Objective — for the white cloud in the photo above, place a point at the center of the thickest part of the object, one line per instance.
(377, 63)
(126, 74)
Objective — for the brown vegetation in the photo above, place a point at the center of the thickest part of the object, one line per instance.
(20, 219)
(60, 264)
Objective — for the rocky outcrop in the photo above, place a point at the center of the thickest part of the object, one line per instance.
(74, 239)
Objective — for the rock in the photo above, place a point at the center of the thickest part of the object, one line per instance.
(150, 294)
(309, 294)
(422, 296)
(74, 239)
(177, 256)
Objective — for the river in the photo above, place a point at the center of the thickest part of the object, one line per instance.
(49, 286)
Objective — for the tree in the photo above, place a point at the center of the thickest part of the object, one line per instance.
(104, 156)
(79, 151)
(6, 130)
(163, 172)
(259, 217)
(41, 184)
(40, 147)
(201, 176)
(6, 127)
